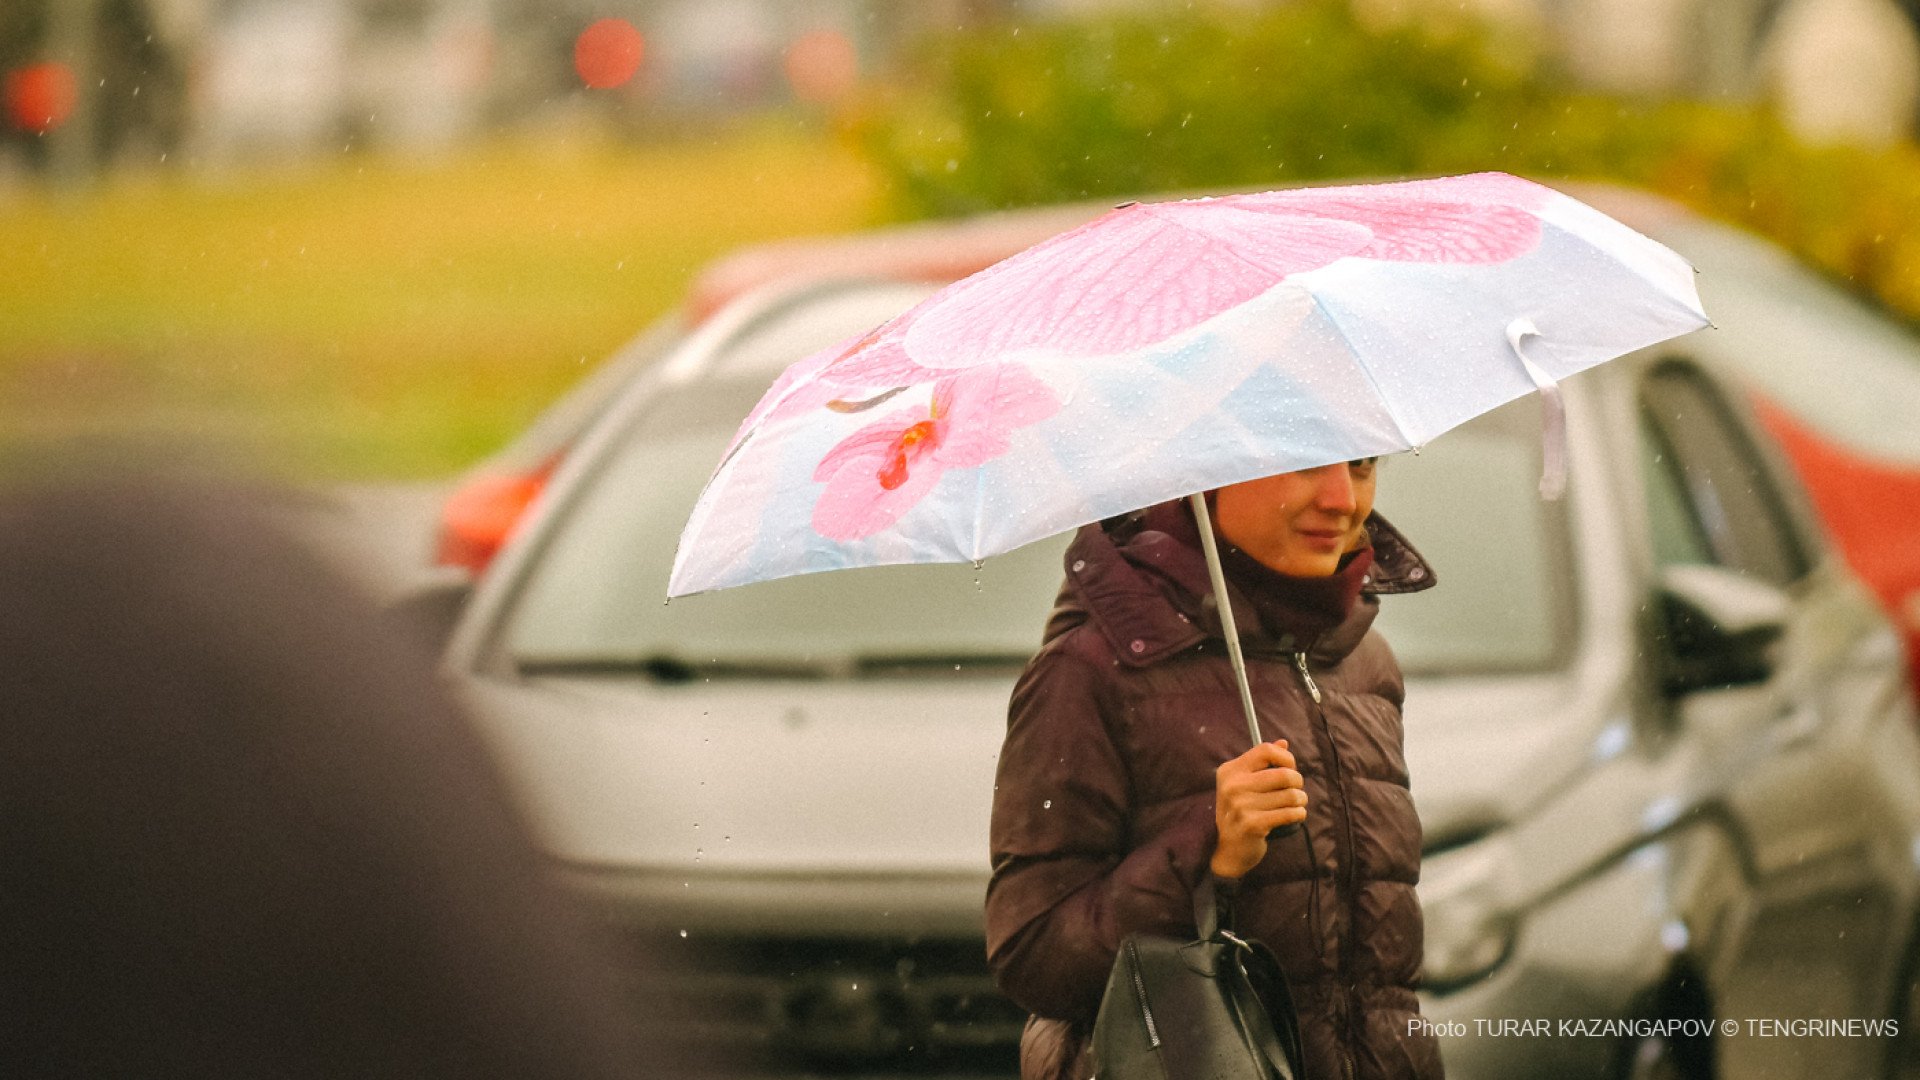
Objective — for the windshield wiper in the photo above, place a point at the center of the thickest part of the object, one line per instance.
(935, 664)
(672, 668)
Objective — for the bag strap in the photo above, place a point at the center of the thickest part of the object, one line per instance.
(1213, 906)
(1268, 992)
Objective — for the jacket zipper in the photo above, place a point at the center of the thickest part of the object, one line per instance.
(1346, 869)
(1140, 991)
(1300, 661)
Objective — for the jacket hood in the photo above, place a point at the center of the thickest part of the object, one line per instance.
(1142, 579)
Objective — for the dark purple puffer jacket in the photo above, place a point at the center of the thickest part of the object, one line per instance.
(1103, 807)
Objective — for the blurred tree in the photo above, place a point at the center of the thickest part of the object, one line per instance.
(1222, 96)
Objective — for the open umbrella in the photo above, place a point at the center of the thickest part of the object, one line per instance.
(1165, 349)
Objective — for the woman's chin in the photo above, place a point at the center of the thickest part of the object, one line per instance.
(1310, 565)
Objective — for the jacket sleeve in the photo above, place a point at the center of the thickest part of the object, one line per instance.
(1069, 881)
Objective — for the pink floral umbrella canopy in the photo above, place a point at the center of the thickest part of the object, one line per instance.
(1169, 348)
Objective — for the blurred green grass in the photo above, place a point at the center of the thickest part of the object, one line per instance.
(371, 317)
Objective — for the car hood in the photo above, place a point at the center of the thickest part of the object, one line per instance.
(850, 776)
(1481, 750)
(896, 776)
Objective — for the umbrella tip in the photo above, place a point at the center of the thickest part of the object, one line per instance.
(1124, 205)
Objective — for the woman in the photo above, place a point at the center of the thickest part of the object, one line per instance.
(1112, 803)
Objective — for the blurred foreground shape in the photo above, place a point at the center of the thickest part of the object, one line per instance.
(248, 834)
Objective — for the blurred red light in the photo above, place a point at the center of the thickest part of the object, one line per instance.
(478, 517)
(40, 97)
(608, 53)
(822, 66)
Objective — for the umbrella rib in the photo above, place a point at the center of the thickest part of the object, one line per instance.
(1585, 242)
(980, 473)
(1360, 361)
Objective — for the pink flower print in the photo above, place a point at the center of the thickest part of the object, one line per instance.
(1482, 218)
(834, 378)
(1144, 273)
(1135, 277)
(877, 474)
(876, 362)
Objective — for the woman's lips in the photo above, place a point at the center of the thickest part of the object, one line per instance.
(1325, 540)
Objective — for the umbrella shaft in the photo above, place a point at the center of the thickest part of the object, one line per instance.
(1225, 606)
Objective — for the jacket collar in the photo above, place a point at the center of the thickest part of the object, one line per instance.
(1148, 592)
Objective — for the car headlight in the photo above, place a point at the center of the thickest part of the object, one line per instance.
(1466, 897)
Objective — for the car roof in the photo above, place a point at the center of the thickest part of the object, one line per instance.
(947, 250)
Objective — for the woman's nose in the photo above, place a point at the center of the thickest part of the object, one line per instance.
(1335, 489)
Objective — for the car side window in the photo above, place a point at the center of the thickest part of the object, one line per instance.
(1710, 498)
(1676, 538)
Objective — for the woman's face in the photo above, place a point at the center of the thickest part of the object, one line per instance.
(1299, 523)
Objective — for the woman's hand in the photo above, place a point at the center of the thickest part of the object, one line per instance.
(1254, 794)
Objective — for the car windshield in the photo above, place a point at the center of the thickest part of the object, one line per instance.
(593, 601)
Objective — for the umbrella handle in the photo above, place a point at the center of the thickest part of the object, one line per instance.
(1239, 661)
(1225, 606)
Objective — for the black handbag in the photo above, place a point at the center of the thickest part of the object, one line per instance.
(1214, 1008)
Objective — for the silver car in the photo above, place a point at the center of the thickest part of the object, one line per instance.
(1659, 738)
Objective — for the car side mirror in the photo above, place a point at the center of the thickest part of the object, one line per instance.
(429, 609)
(1716, 628)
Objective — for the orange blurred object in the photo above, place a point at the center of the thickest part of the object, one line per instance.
(482, 512)
(1869, 508)
(608, 53)
(40, 97)
(822, 66)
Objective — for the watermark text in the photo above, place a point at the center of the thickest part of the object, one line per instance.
(1570, 1027)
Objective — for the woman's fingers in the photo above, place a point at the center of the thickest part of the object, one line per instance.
(1256, 802)
(1254, 794)
(1269, 755)
(1243, 815)
(1267, 780)
(1246, 824)
(1263, 758)
(1276, 819)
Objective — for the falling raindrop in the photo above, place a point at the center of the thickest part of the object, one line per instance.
(683, 933)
